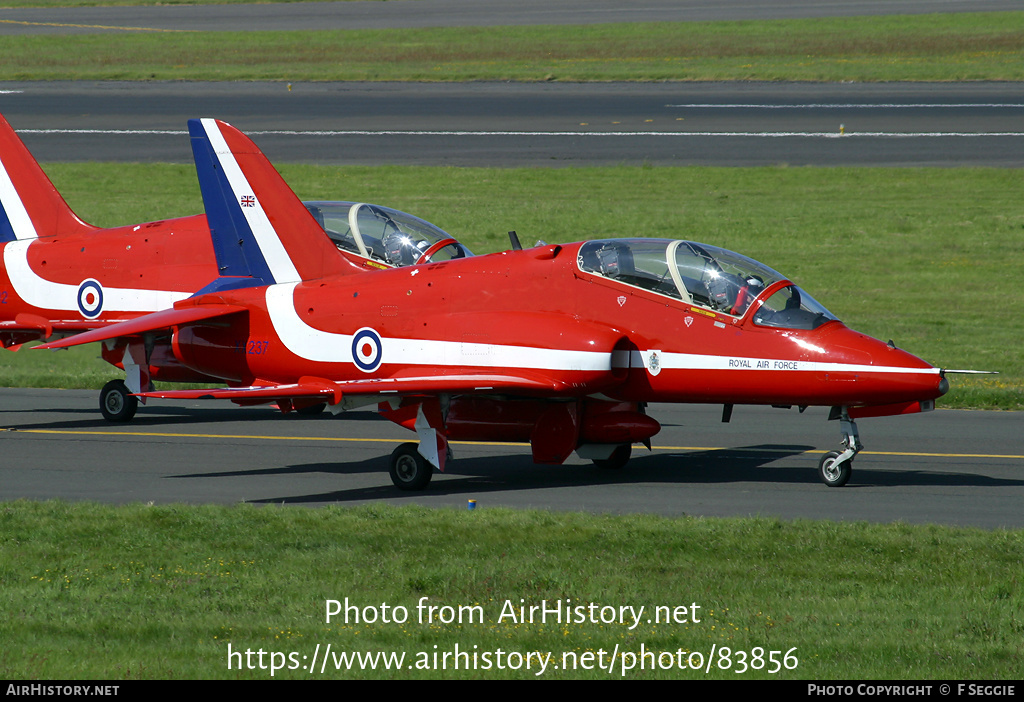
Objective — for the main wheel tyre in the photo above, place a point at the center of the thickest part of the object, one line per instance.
(619, 458)
(312, 410)
(410, 470)
(116, 403)
(834, 474)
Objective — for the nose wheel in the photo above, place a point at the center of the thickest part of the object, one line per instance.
(833, 472)
(835, 467)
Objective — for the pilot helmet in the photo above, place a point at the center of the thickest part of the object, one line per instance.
(398, 250)
(608, 260)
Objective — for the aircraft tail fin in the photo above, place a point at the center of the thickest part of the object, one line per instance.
(260, 228)
(30, 206)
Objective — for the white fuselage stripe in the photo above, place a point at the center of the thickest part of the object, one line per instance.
(328, 347)
(693, 361)
(48, 295)
(15, 208)
(273, 250)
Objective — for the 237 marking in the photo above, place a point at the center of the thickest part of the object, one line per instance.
(257, 348)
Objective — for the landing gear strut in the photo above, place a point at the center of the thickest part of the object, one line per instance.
(835, 468)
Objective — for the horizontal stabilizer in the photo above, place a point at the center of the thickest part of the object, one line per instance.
(156, 322)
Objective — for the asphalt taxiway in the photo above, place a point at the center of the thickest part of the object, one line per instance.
(948, 467)
(534, 124)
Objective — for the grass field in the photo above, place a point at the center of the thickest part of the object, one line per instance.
(969, 46)
(140, 592)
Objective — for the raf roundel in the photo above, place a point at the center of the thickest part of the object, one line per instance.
(367, 351)
(90, 298)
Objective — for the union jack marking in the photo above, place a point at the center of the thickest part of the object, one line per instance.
(248, 201)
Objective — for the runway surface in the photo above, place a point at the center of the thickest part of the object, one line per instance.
(948, 467)
(500, 124)
(534, 125)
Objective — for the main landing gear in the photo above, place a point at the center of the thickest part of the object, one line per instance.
(410, 470)
(835, 467)
(116, 402)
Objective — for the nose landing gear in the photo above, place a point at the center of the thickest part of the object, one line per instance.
(835, 468)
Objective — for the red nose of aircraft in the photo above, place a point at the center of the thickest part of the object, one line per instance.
(878, 373)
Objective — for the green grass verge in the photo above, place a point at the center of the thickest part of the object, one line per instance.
(140, 592)
(926, 257)
(940, 47)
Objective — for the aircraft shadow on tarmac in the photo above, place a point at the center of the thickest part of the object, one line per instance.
(179, 416)
(476, 476)
(765, 463)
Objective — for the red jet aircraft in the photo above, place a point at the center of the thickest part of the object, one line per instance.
(560, 345)
(61, 276)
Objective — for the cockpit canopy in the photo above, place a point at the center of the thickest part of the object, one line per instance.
(384, 234)
(707, 276)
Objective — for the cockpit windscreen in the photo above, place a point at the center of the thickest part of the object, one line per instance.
(384, 234)
(703, 275)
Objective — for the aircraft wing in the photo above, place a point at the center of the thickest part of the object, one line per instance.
(50, 326)
(29, 327)
(333, 391)
(155, 322)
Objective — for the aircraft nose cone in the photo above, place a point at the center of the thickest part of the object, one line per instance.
(882, 372)
(919, 379)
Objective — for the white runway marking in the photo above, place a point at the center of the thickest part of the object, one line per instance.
(448, 133)
(852, 106)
